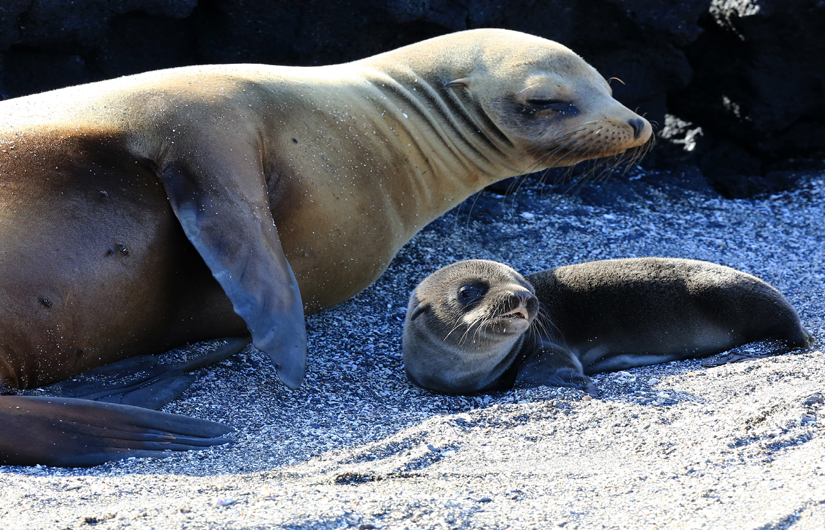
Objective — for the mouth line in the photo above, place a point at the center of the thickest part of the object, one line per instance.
(519, 313)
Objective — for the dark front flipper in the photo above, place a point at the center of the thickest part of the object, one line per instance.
(142, 381)
(80, 433)
(553, 365)
(225, 213)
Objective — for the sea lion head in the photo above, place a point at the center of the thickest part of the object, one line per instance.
(464, 325)
(545, 101)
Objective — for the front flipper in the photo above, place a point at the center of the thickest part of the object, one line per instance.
(80, 433)
(142, 381)
(553, 365)
(225, 213)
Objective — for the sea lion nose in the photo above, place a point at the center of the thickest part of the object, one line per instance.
(524, 297)
(638, 126)
(528, 301)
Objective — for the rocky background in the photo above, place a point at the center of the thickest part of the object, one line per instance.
(735, 86)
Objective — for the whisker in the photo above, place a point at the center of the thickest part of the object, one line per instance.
(567, 136)
(457, 324)
(476, 196)
(578, 145)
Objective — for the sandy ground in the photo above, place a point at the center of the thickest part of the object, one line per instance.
(669, 446)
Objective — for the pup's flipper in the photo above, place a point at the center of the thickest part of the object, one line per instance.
(553, 365)
(760, 350)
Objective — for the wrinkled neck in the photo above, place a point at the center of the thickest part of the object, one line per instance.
(455, 146)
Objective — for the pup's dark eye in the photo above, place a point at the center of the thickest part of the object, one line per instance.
(560, 107)
(468, 293)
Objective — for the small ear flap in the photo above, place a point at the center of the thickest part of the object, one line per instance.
(418, 311)
(226, 216)
(464, 82)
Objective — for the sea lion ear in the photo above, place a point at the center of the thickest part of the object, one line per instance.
(226, 216)
(418, 310)
(463, 82)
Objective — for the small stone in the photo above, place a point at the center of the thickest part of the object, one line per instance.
(222, 502)
(266, 492)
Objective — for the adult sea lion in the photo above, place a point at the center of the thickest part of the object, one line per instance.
(479, 325)
(181, 205)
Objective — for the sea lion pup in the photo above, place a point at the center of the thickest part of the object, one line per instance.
(479, 325)
(175, 206)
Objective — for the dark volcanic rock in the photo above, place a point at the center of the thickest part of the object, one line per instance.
(756, 91)
(761, 76)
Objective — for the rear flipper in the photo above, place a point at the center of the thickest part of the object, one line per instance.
(142, 381)
(553, 365)
(760, 350)
(81, 433)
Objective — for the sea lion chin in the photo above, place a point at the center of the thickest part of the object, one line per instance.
(584, 319)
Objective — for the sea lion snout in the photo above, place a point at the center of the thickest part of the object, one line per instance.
(506, 311)
(519, 304)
